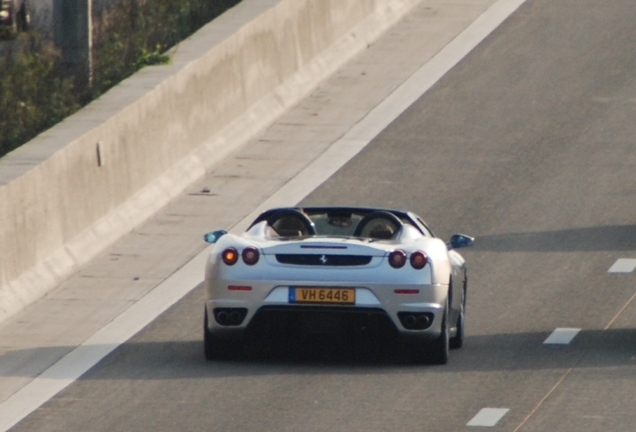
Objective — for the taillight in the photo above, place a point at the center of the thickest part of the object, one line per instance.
(250, 255)
(418, 260)
(406, 291)
(397, 258)
(239, 288)
(230, 256)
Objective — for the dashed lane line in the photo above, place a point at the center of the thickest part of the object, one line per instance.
(623, 265)
(569, 371)
(561, 336)
(488, 417)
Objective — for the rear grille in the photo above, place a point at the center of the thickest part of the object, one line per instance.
(324, 260)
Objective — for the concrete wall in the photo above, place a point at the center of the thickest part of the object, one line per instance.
(80, 186)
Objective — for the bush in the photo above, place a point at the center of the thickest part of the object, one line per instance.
(33, 96)
(36, 93)
(135, 33)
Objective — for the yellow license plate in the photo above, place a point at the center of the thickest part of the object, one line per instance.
(345, 296)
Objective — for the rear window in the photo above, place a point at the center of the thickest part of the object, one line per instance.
(335, 224)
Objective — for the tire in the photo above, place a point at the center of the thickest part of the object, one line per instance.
(435, 352)
(457, 341)
(216, 348)
(438, 349)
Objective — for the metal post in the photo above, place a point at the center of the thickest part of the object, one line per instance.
(73, 36)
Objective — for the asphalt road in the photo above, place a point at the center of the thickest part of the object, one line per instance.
(529, 144)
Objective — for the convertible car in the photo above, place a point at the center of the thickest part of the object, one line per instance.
(296, 271)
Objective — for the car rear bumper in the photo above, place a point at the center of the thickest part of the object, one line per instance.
(268, 308)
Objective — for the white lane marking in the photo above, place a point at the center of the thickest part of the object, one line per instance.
(488, 417)
(386, 112)
(98, 346)
(623, 265)
(562, 336)
(147, 309)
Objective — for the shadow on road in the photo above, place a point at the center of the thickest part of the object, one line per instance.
(184, 359)
(590, 239)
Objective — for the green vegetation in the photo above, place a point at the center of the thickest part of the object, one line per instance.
(33, 95)
(36, 93)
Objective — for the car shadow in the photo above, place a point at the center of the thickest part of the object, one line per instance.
(184, 359)
(588, 239)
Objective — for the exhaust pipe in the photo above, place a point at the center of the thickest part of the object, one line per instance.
(423, 321)
(410, 321)
(222, 318)
(230, 316)
(416, 320)
(235, 318)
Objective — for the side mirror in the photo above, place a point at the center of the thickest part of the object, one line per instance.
(458, 241)
(214, 236)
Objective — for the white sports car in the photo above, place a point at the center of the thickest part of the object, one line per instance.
(316, 269)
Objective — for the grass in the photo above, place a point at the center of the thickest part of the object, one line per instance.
(36, 92)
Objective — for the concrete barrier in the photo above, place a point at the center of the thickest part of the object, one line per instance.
(78, 187)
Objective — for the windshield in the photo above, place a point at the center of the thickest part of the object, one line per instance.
(343, 222)
(335, 224)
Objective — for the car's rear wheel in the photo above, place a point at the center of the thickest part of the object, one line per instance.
(457, 341)
(216, 348)
(438, 350)
(435, 352)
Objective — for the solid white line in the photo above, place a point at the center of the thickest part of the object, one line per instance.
(488, 417)
(623, 265)
(386, 112)
(85, 356)
(98, 346)
(562, 336)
